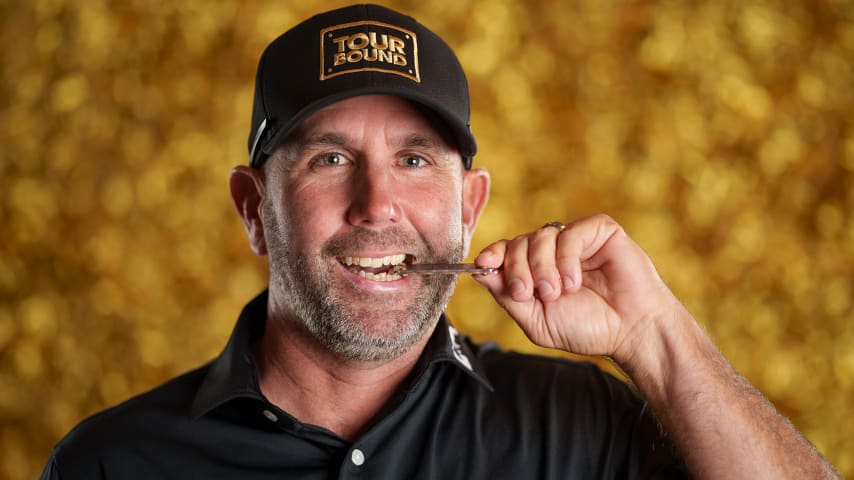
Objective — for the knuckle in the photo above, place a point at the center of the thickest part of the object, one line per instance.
(499, 245)
(544, 234)
(603, 217)
(607, 220)
(518, 243)
(564, 258)
(540, 265)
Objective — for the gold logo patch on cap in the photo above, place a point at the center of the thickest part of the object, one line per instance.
(368, 46)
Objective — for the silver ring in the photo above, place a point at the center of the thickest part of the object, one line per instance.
(559, 226)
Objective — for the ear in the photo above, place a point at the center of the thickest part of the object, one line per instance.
(475, 196)
(247, 192)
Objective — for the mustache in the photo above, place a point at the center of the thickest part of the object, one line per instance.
(393, 238)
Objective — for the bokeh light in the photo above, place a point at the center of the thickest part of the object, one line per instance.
(718, 132)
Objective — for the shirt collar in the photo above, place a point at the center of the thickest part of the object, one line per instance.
(447, 345)
(232, 374)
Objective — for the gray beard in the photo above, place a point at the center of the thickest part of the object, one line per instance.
(385, 331)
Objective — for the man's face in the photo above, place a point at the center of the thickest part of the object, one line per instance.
(364, 184)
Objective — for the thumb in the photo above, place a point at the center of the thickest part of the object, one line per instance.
(491, 257)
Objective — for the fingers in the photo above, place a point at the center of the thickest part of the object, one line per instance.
(532, 266)
(542, 262)
(547, 262)
(517, 274)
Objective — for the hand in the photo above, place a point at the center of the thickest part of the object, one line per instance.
(597, 293)
(588, 289)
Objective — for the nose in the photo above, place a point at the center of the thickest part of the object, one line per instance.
(374, 199)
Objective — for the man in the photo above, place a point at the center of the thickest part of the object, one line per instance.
(360, 166)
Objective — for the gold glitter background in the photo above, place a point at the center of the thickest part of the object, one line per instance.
(719, 133)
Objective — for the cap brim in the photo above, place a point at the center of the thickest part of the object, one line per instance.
(461, 132)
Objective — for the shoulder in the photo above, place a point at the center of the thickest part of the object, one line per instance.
(170, 401)
(120, 429)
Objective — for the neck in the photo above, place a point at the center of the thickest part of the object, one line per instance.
(320, 387)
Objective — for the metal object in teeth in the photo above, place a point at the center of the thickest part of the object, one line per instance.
(441, 269)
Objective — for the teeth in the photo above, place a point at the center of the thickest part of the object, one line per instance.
(368, 262)
(379, 277)
(375, 262)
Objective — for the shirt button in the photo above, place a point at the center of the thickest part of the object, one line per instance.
(270, 416)
(357, 457)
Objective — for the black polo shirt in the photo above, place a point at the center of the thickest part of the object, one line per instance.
(468, 411)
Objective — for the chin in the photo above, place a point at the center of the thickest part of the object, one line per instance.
(374, 336)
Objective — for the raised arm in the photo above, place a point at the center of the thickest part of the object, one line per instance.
(588, 288)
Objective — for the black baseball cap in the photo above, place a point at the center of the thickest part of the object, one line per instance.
(353, 51)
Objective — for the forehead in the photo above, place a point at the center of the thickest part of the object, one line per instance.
(378, 110)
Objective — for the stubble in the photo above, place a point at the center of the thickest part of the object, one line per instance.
(377, 329)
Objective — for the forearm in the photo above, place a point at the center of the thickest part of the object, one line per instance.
(721, 425)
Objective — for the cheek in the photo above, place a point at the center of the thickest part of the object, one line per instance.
(313, 214)
(436, 206)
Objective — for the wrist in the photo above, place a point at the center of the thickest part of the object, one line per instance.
(664, 348)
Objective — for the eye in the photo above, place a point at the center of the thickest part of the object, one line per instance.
(413, 161)
(332, 159)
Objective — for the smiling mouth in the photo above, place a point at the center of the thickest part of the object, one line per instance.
(378, 269)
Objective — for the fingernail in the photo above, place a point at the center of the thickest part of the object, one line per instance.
(517, 288)
(545, 289)
(567, 282)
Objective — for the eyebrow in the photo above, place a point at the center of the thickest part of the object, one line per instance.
(325, 138)
(418, 140)
(299, 142)
(411, 140)
(440, 149)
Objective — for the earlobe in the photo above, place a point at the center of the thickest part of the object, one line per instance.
(247, 193)
(475, 196)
